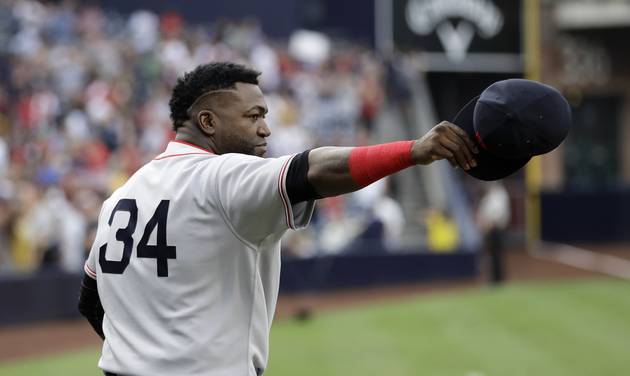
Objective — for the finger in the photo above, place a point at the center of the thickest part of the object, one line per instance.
(446, 154)
(440, 152)
(464, 136)
(453, 163)
(458, 147)
(458, 151)
(453, 136)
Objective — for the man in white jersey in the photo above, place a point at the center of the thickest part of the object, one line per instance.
(183, 275)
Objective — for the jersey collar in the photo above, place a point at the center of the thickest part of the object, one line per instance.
(177, 148)
(191, 145)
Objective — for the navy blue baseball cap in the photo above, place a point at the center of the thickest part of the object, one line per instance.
(512, 121)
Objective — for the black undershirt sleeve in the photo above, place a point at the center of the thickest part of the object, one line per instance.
(299, 188)
(90, 305)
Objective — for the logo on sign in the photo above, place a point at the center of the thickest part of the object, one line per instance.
(473, 16)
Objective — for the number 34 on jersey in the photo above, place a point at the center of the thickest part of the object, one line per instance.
(161, 251)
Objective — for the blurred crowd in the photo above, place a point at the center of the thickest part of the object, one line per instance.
(84, 103)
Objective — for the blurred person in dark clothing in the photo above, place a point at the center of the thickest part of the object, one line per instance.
(493, 216)
(6, 217)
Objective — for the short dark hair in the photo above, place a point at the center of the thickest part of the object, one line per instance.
(204, 78)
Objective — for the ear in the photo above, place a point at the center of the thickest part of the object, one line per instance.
(206, 121)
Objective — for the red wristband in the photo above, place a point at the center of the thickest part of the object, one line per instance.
(370, 163)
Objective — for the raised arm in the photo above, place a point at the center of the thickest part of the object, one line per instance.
(337, 170)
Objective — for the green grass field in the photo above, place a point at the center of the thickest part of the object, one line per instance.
(562, 328)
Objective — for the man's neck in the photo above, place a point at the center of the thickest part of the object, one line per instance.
(194, 136)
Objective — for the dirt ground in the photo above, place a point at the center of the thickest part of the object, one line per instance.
(55, 337)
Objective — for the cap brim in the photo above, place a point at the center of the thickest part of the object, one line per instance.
(489, 167)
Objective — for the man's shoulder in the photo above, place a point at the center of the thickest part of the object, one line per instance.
(246, 159)
(238, 157)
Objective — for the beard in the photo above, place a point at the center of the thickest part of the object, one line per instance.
(237, 144)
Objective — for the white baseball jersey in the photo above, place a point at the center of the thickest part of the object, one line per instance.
(187, 263)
